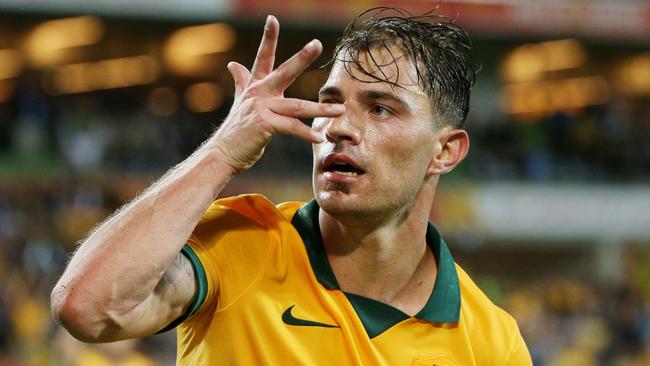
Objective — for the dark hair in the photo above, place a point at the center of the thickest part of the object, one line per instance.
(438, 48)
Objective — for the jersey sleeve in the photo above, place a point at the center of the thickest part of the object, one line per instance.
(206, 276)
(201, 281)
(519, 355)
(228, 250)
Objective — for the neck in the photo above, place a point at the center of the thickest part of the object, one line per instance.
(381, 258)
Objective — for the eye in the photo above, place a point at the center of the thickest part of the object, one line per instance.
(380, 110)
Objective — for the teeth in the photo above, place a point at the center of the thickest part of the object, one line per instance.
(349, 174)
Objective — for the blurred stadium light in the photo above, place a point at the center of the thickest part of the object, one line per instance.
(11, 63)
(529, 62)
(543, 98)
(634, 75)
(187, 48)
(52, 42)
(204, 97)
(106, 74)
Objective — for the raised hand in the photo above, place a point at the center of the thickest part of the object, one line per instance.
(260, 109)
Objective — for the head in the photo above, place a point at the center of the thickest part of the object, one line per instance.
(405, 81)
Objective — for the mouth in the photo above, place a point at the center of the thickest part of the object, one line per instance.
(342, 164)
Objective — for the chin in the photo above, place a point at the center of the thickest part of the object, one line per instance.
(341, 204)
(336, 201)
(356, 201)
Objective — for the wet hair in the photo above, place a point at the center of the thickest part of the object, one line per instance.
(438, 48)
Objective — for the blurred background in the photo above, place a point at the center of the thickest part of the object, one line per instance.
(550, 213)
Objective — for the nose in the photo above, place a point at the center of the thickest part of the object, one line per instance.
(341, 128)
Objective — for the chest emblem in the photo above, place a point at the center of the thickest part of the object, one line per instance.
(289, 319)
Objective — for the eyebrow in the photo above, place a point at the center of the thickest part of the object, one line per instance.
(329, 91)
(382, 95)
(366, 95)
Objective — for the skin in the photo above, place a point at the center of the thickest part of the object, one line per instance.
(374, 224)
(108, 292)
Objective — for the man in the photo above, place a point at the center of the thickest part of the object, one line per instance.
(356, 276)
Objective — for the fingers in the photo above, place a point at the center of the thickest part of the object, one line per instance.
(285, 112)
(293, 127)
(240, 75)
(265, 58)
(285, 74)
(305, 109)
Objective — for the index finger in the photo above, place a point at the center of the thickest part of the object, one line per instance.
(285, 74)
(265, 58)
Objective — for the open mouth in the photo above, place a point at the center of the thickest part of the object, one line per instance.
(342, 167)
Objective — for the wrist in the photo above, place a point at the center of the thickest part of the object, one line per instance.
(219, 172)
(218, 161)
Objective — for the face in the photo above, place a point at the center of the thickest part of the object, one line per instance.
(376, 156)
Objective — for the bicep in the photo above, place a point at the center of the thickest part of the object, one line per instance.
(168, 302)
(177, 287)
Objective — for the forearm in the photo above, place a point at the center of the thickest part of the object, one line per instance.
(122, 282)
(118, 266)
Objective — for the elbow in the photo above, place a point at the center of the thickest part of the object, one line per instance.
(78, 315)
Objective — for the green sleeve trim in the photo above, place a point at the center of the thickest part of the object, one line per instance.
(201, 288)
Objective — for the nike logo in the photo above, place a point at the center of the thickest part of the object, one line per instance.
(289, 319)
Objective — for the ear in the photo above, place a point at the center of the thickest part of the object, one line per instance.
(452, 146)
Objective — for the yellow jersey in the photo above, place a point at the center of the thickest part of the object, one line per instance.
(267, 296)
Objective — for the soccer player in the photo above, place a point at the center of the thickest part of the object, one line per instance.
(357, 276)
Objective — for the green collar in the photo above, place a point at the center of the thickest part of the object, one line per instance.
(443, 305)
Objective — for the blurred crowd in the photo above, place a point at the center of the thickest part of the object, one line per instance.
(574, 323)
(38, 228)
(603, 143)
(86, 134)
(67, 164)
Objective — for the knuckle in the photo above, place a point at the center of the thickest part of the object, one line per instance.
(281, 73)
(254, 95)
(298, 106)
(300, 126)
(254, 88)
(267, 125)
(306, 53)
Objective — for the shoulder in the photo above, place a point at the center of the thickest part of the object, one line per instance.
(234, 241)
(246, 207)
(245, 213)
(478, 309)
(489, 326)
(246, 224)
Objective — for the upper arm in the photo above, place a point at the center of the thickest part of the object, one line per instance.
(176, 288)
(170, 300)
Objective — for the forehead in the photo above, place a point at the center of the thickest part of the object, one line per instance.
(381, 67)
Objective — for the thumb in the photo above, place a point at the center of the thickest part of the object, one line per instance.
(240, 75)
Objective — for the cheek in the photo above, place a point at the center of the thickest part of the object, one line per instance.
(406, 150)
(318, 123)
